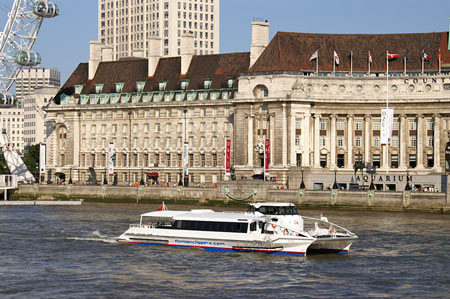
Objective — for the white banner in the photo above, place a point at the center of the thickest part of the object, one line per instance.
(111, 158)
(186, 158)
(387, 123)
(42, 154)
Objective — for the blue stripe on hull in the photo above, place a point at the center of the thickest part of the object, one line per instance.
(221, 249)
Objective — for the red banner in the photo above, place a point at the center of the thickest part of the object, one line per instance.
(228, 157)
(266, 156)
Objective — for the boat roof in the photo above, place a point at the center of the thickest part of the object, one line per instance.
(204, 215)
(271, 204)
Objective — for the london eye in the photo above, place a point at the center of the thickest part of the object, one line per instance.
(19, 34)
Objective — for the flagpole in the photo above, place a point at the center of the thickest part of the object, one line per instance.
(351, 63)
(369, 62)
(334, 64)
(423, 68)
(387, 112)
(404, 63)
(439, 61)
(317, 63)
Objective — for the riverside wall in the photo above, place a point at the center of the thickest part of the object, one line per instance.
(237, 190)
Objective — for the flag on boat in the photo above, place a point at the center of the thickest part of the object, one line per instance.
(391, 55)
(336, 58)
(370, 58)
(314, 56)
(425, 55)
(162, 207)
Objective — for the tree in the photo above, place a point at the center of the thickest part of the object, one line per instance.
(3, 166)
(31, 159)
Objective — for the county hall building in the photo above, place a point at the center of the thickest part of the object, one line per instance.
(316, 97)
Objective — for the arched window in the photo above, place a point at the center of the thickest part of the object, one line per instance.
(62, 137)
(260, 91)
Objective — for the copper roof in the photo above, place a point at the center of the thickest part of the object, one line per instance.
(291, 51)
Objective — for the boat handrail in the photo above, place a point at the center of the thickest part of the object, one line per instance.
(331, 223)
(302, 233)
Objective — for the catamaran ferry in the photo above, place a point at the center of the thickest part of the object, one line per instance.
(274, 228)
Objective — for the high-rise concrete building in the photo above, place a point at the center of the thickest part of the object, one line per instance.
(128, 25)
(34, 128)
(11, 121)
(30, 79)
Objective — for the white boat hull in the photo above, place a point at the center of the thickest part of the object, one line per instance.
(339, 245)
(216, 242)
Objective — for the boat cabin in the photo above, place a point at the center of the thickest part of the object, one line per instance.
(273, 208)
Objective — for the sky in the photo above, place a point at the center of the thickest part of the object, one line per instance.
(63, 42)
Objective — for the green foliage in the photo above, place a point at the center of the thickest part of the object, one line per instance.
(3, 166)
(31, 159)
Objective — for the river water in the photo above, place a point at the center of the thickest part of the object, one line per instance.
(71, 252)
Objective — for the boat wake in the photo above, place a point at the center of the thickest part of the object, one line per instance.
(96, 236)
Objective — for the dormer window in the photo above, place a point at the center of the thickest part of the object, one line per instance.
(184, 84)
(162, 85)
(140, 86)
(98, 88)
(207, 83)
(78, 89)
(230, 82)
(119, 87)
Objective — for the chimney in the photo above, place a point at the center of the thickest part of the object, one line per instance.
(107, 53)
(95, 56)
(154, 53)
(138, 53)
(260, 39)
(187, 51)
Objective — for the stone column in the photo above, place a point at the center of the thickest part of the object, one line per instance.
(367, 137)
(403, 141)
(306, 141)
(333, 142)
(292, 152)
(437, 143)
(284, 136)
(250, 141)
(419, 155)
(350, 141)
(272, 139)
(316, 140)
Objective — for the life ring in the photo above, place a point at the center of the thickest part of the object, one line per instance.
(332, 230)
(285, 232)
(273, 226)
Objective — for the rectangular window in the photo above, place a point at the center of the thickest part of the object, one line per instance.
(376, 125)
(358, 125)
(191, 160)
(203, 160)
(323, 125)
(430, 124)
(412, 161)
(214, 160)
(412, 141)
(394, 161)
(323, 140)
(430, 161)
(395, 141)
(376, 141)
(358, 141)
(396, 125)
(376, 160)
(340, 160)
(340, 125)
(412, 125)
(340, 141)
(169, 160)
(323, 160)
(430, 140)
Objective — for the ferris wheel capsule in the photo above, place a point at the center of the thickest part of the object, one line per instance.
(27, 58)
(45, 9)
(7, 99)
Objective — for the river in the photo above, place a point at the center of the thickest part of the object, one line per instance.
(71, 252)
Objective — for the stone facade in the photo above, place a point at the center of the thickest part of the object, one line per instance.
(320, 124)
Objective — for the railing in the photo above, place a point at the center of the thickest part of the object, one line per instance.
(8, 181)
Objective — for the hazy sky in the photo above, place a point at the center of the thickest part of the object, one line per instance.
(64, 41)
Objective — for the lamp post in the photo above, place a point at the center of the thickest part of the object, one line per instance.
(70, 178)
(335, 185)
(302, 184)
(184, 157)
(408, 186)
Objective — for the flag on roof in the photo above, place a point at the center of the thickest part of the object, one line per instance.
(405, 56)
(314, 56)
(391, 55)
(439, 56)
(336, 57)
(425, 55)
(370, 58)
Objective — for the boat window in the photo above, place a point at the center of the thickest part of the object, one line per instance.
(290, 210)
(234, 227)
(253, 226)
